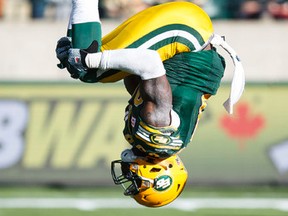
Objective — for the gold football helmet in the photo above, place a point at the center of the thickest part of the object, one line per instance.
(151, 182)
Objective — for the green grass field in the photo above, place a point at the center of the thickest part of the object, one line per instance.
(13, 202)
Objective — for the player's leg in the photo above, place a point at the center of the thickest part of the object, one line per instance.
(182, 26)
(84, 24)
(169, 29)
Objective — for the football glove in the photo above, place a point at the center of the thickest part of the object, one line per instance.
(63, 45)
(76, 63)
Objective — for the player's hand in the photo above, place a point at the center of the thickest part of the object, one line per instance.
(62, 47)
(76, 63)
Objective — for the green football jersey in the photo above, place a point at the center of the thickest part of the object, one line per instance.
(194, 77)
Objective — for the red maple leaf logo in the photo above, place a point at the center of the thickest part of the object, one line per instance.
(244, 125)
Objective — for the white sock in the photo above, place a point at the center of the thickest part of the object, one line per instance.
(142, 62)
(84, 11)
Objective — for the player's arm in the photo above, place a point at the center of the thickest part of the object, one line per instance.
(146, 64)
(157, 99)
(131, 83)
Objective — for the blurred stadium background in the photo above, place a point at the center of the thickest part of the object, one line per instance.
(58, 136)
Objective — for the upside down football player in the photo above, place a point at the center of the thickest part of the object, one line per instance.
(167, 59)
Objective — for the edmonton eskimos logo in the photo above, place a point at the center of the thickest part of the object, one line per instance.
(160, 139)
(163, 183)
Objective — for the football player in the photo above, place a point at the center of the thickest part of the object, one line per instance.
(169, 64)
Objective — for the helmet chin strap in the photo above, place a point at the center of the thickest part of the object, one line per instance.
(238, 81)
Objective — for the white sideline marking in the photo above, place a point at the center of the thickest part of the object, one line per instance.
(185, 204)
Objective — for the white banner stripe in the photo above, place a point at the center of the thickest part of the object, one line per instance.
(185, 204)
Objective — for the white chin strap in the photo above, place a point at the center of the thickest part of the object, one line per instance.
(238, 81)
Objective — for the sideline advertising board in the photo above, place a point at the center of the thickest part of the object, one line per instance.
(66, 133)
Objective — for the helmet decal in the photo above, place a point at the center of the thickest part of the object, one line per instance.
(163, 183)
(160, 139)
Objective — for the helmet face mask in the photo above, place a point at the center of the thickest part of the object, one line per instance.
(130, 181)
(151, 182)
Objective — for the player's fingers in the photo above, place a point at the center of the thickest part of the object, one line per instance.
(64, 41)
(62, 52)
